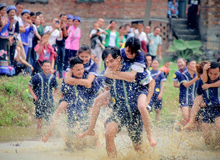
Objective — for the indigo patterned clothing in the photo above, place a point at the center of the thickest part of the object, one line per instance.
(177, 75)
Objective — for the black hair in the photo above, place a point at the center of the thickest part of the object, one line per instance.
(155, 59)
(127, 25)
(218, 59)
(74, 61)
(147, 55)
(1, 8)
(121, 27)
(46, 61)
(18, 3)
(114, 51)
(134, 44)
(38, 13)
(188, 61)
(62, 15)
(32, 14)
(84, 48)
(180, 59)
(112, 21)
(156, 28)
(214, 65)
(141, 23)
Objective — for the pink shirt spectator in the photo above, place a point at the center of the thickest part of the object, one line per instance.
(45, 52)
(72, 42)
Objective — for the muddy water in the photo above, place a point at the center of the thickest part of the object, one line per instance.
(22, 143)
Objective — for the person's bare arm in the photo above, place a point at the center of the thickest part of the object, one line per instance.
(161, 90)
(37, 35)
(198, 9)
(151, 86)
(187, 7)
(204, 75)
(32, 93)
(55, 93)
(74, 81)
(159, 51)
(211, 85)
(65, 34)
(187, 84)
(126, 76)
(176, 84)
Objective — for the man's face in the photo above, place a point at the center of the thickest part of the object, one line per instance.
(54, 21)
(63, 18)
(111, 63)
(140, 27)
(78, 70)
(46, 67)
(213, 73)
(147, 29)
(192, 66)
(157, 31)
(181, 64)
(19, 8)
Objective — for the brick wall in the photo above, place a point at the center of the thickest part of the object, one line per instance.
(210, 27)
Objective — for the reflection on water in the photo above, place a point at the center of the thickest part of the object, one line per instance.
(21, 143)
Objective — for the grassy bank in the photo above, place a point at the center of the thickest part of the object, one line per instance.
(17, 108)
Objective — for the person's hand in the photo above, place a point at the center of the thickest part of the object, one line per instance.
(63, 25)
(11, 40)
(205, 86)
(203, 104)
(35, 97)
(108, 73)
(52, 71)
(44, 42)
(206, 66)
(57, 25)
(29, 21)
(160, 57)
(31, 68)
(198, 13)
(159, 97)
(186, 12)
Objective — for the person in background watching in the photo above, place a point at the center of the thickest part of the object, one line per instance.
(177, 75)
(148, 61)
(149, 41)
(112, 38)
(173, 9)
(192, 11)
(121, 35)
(155, 48)
(165, 69)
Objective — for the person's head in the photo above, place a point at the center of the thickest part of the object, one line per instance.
(25, 15)
(95, 26)
(37, 21)
(113, 24)
(39, 14)
(11, 11)
(46, 66)
(214, 71)
(76, 21)
(84, 53)
(45, 37)
(147, 29)
(33, 17)
(77, 67)
(155, 64)
(191, 65)
(19, 8)
(121, 30)
(181, 63)
(199, 67)
(167, 64)
(140, 27)
(132, 46)
(42, 21)
(2, 9)
(218, 60)
(148, 59)
(63, 18)
(157, 31)
(69, 21)
(127, 27)
(54, 21)
(111, 57)
(96, 60)
(100, 22)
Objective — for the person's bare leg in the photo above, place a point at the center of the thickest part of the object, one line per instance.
(145, 118)
(158, 112)
(61, 109)
(137, 147)
(101, 100)
(39, 126)
(207, 132)
(217, 127)
(194, 111)
(111, 131)
(185, 115)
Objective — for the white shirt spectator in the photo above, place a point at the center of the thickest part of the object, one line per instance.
(55, 35)
(20, 22)
(112, 39)
(142, 37)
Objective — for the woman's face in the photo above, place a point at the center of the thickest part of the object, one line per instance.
(45, 37)
(128, 53)
(37, 20)
(113, 25)
(25, 17)
(155, 65)
(122, 31)
(149, 61)
(11, 14)
(69, 22)
(76, 23)
(33, 18)
(85, 57)
(3, 11)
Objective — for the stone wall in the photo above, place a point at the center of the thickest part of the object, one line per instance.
(209, 26)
